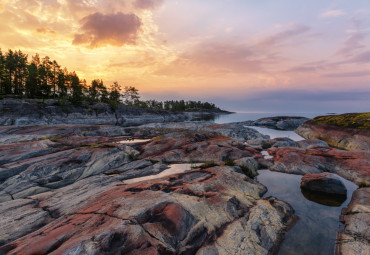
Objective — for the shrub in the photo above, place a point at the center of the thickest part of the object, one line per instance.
(229, 162)
(208, 164)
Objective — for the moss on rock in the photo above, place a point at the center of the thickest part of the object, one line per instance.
(348, 120)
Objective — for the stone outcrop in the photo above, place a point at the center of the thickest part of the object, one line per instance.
(354, 239)
(279, 122)
(351, 165)
(28, 112)
(237, 130)
(348, 137)
(323, 183)
(63, 187)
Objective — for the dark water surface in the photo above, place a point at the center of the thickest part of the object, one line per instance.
(316, 229)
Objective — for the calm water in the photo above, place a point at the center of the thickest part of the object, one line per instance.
(315, 231)
(238, 117)
(274, 133)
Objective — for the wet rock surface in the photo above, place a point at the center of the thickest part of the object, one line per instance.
(323, 183)
(63, 187)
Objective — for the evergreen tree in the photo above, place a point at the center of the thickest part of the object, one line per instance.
(131, 95)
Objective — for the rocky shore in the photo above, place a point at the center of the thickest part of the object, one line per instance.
(279, 122)
(346, 131)
(72, 189)
(28, 112)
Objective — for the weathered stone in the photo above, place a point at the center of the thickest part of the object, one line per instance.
(351, 165)
(248, 164)
(340, 137)
(354, 239)
(311, 143)
(178, 214)
(280, 122)
(324, 183)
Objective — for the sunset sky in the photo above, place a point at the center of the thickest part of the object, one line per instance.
(244, 55)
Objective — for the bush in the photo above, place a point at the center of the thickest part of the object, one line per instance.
(229, 162)
(208, 164)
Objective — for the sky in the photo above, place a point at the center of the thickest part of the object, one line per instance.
(242, 55)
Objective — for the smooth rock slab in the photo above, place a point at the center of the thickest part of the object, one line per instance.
(354, 239)
(324, 183)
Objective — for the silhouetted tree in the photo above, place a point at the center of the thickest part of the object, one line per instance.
(131, 95)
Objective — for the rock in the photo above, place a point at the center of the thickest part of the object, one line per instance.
(351, 165)
(280, 122)
(323, 183)
(237, 131)
(311, 143)
(355, 237)
(216, 209)
(342, 135)
(248, 165)
(190, 147)
(283, 142)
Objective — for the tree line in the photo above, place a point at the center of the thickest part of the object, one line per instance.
(44, 78)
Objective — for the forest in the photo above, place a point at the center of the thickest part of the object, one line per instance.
(44, 78)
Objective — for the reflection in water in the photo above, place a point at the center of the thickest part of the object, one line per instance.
(323, 198)
(315, 231)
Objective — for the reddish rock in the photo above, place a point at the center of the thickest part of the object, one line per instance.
(191, 146)
(178, 214)
(351, 165)
(324, 183)
(339, 137)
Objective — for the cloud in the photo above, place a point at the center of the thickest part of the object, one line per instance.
(148, 4)
(353, 43)
(348, 74)
(332, 14)
(45, 30)
(363, 57)
(217, 56)
(111, 29)
(278, 38)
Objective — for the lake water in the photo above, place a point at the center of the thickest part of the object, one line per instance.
(239, 117)
(274, 133)
(316, 229)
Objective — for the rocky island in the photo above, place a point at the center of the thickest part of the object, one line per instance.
(108, 189)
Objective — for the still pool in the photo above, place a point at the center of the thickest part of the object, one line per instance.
(316, 229)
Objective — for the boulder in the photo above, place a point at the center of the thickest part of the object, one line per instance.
(248, 165)
(323, 183)
(347, 131)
